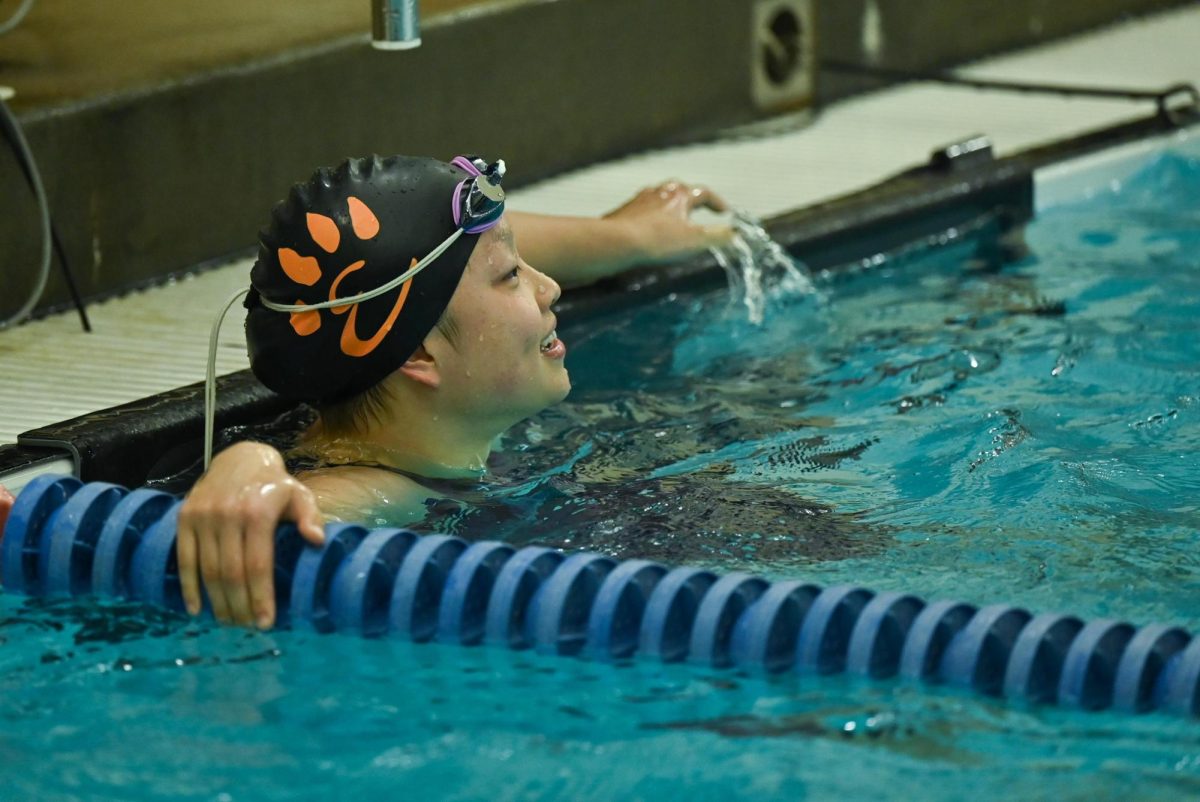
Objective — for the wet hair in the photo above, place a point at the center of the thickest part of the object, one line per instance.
(356, 415)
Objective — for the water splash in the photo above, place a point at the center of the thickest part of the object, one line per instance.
(758, 268)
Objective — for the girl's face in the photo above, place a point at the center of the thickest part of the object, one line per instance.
(506, 362)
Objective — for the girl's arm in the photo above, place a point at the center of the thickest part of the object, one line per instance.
(653, 227)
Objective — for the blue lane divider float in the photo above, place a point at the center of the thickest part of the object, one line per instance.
(67, 538)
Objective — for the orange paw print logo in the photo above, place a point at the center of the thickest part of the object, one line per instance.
(307, 270)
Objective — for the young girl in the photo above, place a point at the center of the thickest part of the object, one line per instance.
(390, 295)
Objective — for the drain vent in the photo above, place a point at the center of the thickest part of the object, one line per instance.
(782, 54)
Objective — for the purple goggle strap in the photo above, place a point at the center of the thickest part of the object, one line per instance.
(457, 200)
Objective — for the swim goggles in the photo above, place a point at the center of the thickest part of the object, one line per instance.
(477, 203)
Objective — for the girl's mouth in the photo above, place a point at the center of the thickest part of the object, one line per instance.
(553, 347)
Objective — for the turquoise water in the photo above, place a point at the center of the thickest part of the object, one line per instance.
(934, 423)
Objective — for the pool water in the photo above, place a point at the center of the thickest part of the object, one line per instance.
(933, 422)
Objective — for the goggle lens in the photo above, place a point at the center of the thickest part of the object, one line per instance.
(478, 202)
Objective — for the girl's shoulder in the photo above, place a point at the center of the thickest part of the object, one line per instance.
(361, 493)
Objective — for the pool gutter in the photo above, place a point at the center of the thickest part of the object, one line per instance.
(927, 200)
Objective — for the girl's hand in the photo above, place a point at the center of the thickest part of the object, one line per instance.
(659, 218)
(227, 533)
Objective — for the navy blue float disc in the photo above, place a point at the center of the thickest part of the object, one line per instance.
(1036, 661)
(559, 611)
(825, 635)
(133, 515)
(417, 594)
(764, 638)
(515, 585)
(1142, 663)
(1090, 668)
(670, 612)
(362, 585)
(314, 572)
(616, 619)
(977, 655)
(931, 632)
(879, 633)
(34, 510)
(463, 613)
(153, 570)
(70, 546)
(1179, 686)
(719, 612)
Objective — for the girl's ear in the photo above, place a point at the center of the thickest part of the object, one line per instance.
(422, 368)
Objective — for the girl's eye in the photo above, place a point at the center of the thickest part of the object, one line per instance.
(512, 274)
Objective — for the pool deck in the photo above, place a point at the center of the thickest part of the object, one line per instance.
(154, 340)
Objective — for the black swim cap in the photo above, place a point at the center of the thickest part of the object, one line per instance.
(347, 231)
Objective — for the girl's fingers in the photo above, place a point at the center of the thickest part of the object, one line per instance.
(704, 198)
(185, 557)
(260, 569)
(233, 574)
(210, 571)
(302, 508)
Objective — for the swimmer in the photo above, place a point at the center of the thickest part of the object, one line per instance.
(390, 294)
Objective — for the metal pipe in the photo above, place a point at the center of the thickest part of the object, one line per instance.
(395, 24)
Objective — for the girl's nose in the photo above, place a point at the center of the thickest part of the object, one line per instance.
(548, 291)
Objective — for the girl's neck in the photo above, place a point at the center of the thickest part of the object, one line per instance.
(429, 448)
